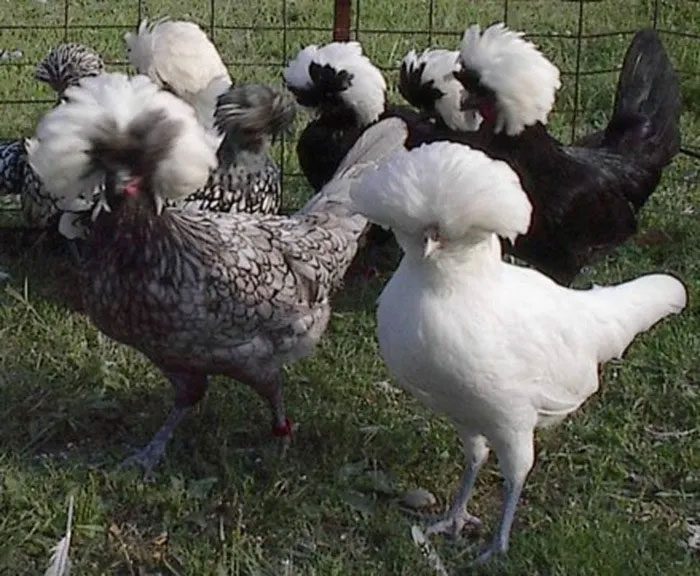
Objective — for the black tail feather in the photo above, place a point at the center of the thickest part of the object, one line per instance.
(646, 113)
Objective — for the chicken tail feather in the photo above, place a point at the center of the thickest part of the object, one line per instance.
(634, 307)
(646, 113)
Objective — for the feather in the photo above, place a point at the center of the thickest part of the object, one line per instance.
(177, 55)
(522, 78)
(66, 64)
(427, 82)
(68, 138)
(60, 561)
(338, 68)
(464, 191)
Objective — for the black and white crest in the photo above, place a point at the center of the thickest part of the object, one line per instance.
(66, 64)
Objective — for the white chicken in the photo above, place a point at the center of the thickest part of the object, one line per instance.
(499, 349)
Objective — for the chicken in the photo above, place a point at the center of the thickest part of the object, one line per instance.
(498, 349)
(198, 293)
(178, 56)
(246, 178)
(12, 153)
(64, 66)
(241, 123)
(585, 197)
(427, 82)
(348, 92)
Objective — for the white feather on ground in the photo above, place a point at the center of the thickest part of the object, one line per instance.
(60, 560)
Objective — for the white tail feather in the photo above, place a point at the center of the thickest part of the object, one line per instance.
(625, 310)
(60, 561)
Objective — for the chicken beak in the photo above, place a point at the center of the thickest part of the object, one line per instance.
(430, 245)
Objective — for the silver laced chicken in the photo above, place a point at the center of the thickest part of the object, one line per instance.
(241, 122)
(198, 293)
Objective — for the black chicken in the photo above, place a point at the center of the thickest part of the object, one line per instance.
(585, 197)
(348, 94)
(198, 293)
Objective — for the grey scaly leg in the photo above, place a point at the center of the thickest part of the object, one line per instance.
(515, 458)
(149, 456)
(476, 453)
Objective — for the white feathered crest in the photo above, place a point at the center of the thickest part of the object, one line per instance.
(523, 79)
(176, 54)
(367, 91)
(60, 561)
(445, 185)
(296, 74)
(438, 69)
(61, 153)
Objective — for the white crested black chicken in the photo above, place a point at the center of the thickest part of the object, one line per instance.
(347, 93)
(198, 293)
(585, 197)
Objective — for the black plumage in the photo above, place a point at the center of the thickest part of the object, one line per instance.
(585, 197)
(339, 120)
(331, 91)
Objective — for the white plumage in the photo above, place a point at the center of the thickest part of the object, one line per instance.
(366, 94)
(113, 104)
(438, 67)
(480, 195)
(497, 348)
(523, 79)
(179, 56)
(296, 74)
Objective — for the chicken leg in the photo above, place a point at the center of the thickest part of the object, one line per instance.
(515, 457)
(149, 456)
(270, 386)
(476, 452)
(189, 389)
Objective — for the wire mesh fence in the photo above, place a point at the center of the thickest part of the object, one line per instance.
(585, 38)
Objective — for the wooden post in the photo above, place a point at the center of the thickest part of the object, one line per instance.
(341, 24)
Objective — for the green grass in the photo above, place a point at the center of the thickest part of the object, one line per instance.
(610, 494)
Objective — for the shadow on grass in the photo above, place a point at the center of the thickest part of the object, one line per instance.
(41, 260)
